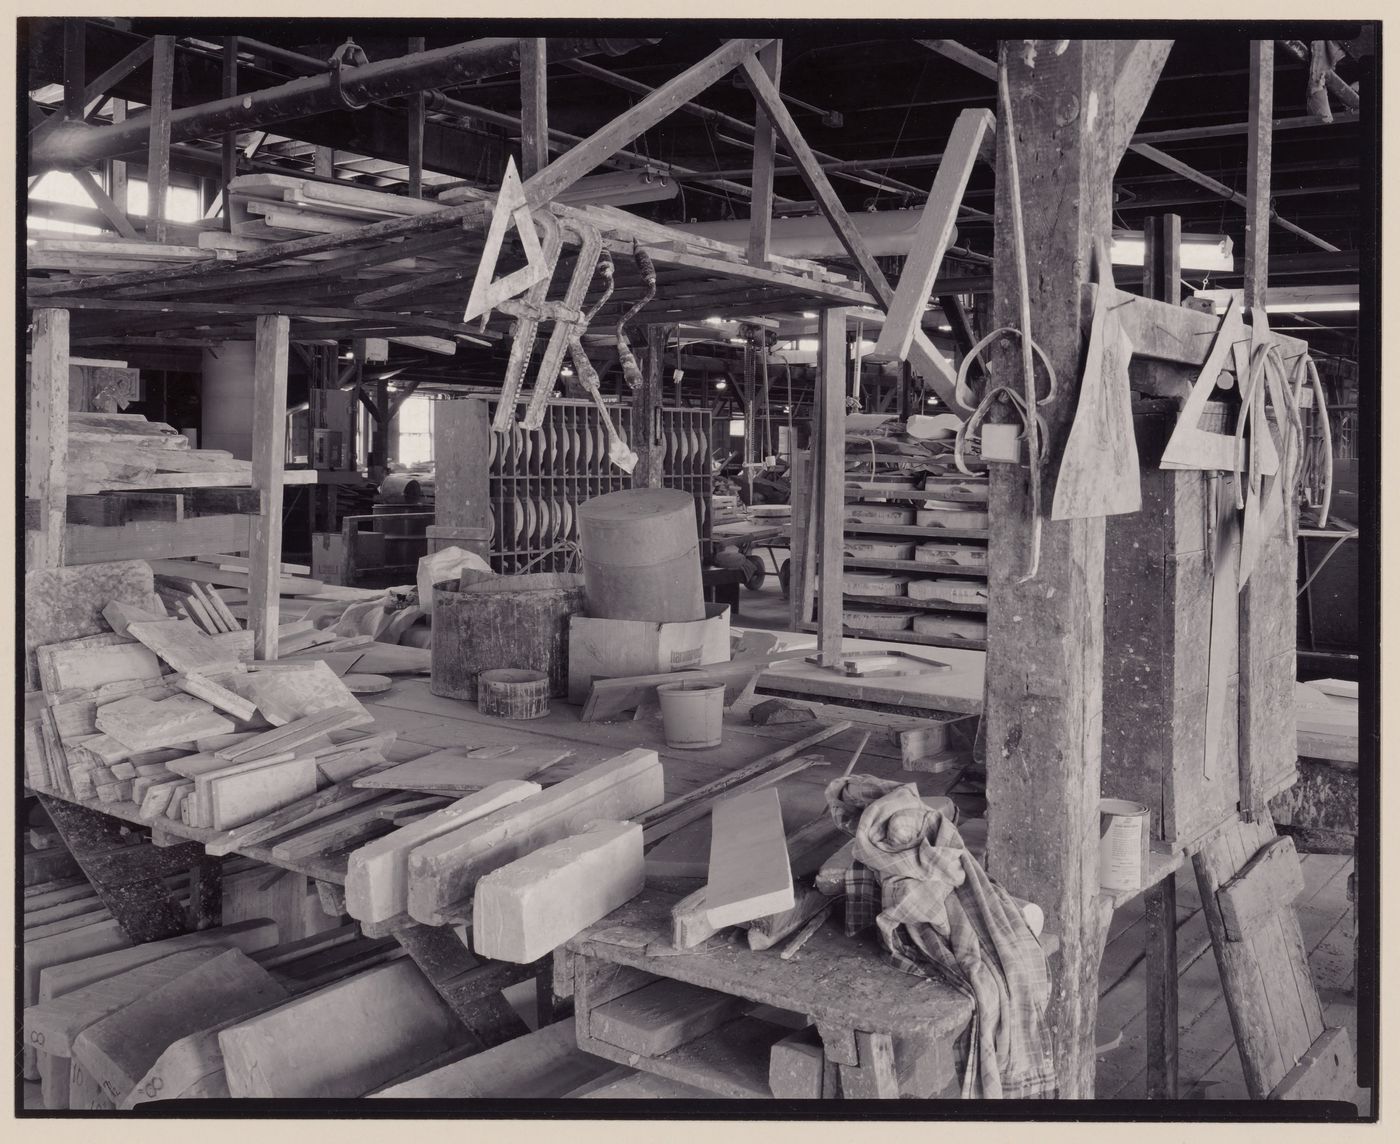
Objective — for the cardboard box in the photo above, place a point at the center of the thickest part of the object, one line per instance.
(613, 649)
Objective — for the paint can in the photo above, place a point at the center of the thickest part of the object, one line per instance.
(1123, 844)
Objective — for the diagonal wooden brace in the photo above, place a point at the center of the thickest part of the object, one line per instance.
(565, 331)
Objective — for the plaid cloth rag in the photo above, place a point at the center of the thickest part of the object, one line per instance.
(940, 914)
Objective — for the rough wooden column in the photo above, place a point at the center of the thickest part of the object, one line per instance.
(46, 439)
(228, 143)
(1268, 619)
(158, 154)
(1045, 637)
(417, 110)
(269, 463)
(829, 470)
(534, 116)
(646, 405)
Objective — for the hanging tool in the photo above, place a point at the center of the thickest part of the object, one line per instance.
(618, 452)
(630, 370)
(585, 267)
(526, 323)
(1099, 469)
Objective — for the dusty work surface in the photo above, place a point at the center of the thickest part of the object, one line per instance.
(837, 980)
(425, 720)
(958, 690)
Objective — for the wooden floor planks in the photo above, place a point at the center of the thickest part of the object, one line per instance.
(1209, 1062)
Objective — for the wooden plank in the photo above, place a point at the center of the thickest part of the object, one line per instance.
(376, 877)
(296, 733)
(937, 226)
(118, 1049)
(662, 1016)
(797, 1067)
(1327, 1071)
(46, 439)
(269, 451)
(1045, 636)
(141, 725)
(331, 800)
(749, 872)
(527, 908)
(1269, 882)
(184, 647)
(343, 1040)
(239, 799)
(1163, 1022)
(695, 811)
(457, 770)
(58, 979)
(284, 696)
(830, 502)
(443, 872)
(1139, 64)
(770, 59)
(91, 661)
(61, 949)
(541, 1065)
(874, 1078)
(546, 185)
(220, 697)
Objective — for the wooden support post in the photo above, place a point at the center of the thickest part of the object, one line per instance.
(1162, 1021)
(324, 160)
(829, 467)
(229, 144)
(46, 439)
(646, 405)
(770, 59)
(417, 110)
(74, 74)
(269, 463)
(1262, 633)
(534, 115)
(116, 168)
(158, 154)
(1045, 636)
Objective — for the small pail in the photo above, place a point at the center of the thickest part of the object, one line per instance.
(692, 714)
(1123, 842)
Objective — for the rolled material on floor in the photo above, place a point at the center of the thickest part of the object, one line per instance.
(481, 622)
(641, 556)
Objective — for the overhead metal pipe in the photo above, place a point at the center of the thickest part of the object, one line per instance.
(75, 145)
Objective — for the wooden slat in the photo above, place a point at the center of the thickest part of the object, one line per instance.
(46, 439)
(158, 152)
(770, 59)
(830, 501)
(269, 451)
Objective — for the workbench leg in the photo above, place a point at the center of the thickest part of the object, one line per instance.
(874, 1078)
(550, 1007)
(470, 986)
(128, 876)
(1162, 1023)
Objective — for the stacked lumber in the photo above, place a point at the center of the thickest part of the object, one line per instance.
(119, 451)
(166, 715)
(142, 1023)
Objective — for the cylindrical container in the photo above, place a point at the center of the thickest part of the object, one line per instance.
(513, 693)
(481, 621)
(641, 556)
(1123, 843)
(692, 714)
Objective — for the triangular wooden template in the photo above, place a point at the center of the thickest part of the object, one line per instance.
(1099, 473)
(511, 206)
(1192, 447)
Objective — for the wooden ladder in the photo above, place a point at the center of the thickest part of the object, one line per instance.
(1249, 877)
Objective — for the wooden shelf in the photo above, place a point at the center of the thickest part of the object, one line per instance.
(1161, 861)
(907, 636)
(914, 605)
(730, 1061)
(922, 532)
(923, 566)
(862, 496)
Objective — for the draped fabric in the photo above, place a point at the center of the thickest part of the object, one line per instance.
(939, 914)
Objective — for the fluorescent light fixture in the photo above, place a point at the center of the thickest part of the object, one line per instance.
(1198, 251)
(618, 188)
(809, 313)
(1296, 299)
(721, 384)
